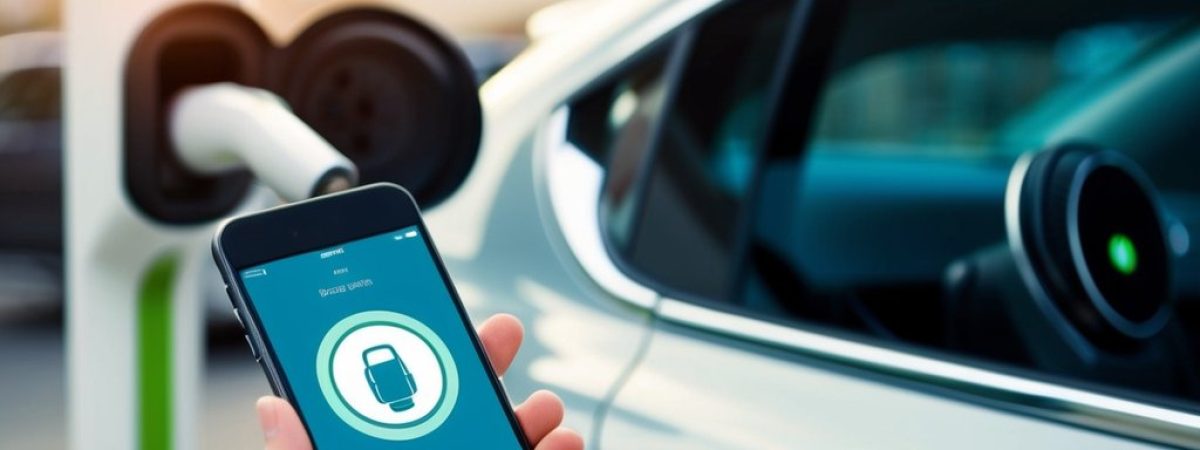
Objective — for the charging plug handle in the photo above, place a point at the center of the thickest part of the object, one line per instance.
(221, 127)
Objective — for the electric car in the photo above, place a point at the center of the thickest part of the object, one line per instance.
(846, 224)
(785, 224)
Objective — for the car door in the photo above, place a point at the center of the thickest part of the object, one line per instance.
(794, 198)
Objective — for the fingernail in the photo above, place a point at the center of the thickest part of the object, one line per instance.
(268, 417)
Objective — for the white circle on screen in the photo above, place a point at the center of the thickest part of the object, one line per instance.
(367, 376)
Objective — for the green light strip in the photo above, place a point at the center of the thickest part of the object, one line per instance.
(154, 355)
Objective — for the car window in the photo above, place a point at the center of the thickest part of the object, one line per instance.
(913, 137)
(921, 109)
(680, 155)
(969, 97)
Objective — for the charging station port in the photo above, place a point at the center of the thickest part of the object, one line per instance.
(188, 46)
(396, 97)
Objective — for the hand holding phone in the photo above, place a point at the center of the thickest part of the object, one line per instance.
(355, 321)
(540, 415)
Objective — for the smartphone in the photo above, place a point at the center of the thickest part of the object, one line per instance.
(348, 309)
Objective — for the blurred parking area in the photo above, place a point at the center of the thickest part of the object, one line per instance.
(30, 226)
(32, 413)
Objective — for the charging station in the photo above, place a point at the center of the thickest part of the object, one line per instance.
(150, 167)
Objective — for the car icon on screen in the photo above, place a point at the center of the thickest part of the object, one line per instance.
(389, 378)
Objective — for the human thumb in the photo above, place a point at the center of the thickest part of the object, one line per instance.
(281, 425)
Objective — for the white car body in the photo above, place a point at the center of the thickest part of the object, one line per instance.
(521, 236)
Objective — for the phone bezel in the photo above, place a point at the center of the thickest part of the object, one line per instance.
(318, 223)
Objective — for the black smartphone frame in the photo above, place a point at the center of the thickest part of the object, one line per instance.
(318, 223)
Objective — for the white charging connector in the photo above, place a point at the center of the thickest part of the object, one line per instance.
(221, 127)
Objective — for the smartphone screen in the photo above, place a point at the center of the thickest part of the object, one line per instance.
(373, 348)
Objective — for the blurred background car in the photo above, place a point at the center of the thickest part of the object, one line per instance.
(737, 224)
(30, 160)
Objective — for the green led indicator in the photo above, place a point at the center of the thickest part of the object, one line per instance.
(1122, 254)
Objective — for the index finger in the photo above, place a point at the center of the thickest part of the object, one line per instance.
(501, 337)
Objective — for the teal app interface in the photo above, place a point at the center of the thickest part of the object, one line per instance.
(374, 349)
